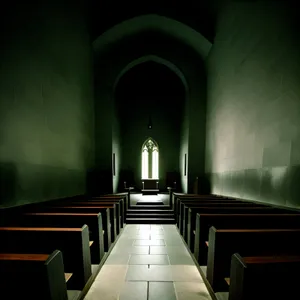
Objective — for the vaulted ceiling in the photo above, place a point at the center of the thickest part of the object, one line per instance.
(199, 15)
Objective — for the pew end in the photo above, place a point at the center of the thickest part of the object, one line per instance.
(264, 277)
(33, 276)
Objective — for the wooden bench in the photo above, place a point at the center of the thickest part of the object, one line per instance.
(264, 277)
(224, 209)
(120, 218)
(122, 197)
(89, 209)
(118, 199)
(223, 243)
(205, 221)
(72, 242)
(201, 201)
(73, 220)
(33, 276)
(176, 196)
(184, 211)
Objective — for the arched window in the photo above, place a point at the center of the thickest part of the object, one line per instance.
(150, 160)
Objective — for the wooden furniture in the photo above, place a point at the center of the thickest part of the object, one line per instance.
(264, 277)
(188, 211)
(236, 220)
(72, 242)
(33, 276)
(59, 219)
(223, 243)
(91, 209)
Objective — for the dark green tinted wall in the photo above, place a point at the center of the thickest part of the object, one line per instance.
(46, 107)
(253, 138)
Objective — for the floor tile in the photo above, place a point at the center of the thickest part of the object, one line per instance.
(173, 242)
(118, 259)
(185, 273)
(137, 273)
(179, 259)
(152, 273)
(134, 291)
(158, 250)
(104, 290)
(149, 243)
(131, 250)
(136, 236)
(177, 249)
(109, 273)
(161, 290)
(191, 291)
(154, 236)
(149, 260)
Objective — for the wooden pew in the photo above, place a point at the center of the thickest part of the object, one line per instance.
(118, 213)
(90, 209)
(72, 242)
(176, 196)
(264, 277)
(252, 221)
(69, 220)
(33, 276)
(223, 208)
(194, 201)
(185, 206)
(105, 212)
(223, 243)
(122, 197)
(120, 217)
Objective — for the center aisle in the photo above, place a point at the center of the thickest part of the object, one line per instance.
(149, 262)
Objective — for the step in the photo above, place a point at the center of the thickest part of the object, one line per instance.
(149, 207)
(150, 221)
(150, 211)
(139, 215)
(149, 203)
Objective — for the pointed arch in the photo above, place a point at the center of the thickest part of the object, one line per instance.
(150, 159)
(174, 28)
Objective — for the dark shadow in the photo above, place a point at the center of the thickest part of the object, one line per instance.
(8, 184)
(128, 177)
(98, 182)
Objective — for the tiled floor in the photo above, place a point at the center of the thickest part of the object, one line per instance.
(149, 262)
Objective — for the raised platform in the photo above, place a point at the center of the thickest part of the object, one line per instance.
(150, 192)
(149, 203)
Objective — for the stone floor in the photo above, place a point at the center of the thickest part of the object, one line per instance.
(149, 262)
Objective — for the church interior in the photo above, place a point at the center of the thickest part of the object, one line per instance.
(149, 150)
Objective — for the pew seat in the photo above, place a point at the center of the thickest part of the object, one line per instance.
(68, 276)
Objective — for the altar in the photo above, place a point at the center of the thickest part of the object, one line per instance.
(150, 186)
